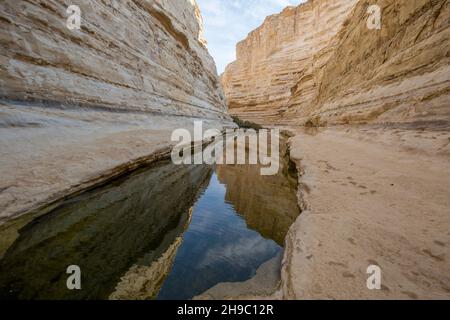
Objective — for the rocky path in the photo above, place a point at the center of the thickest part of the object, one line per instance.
(373, 197)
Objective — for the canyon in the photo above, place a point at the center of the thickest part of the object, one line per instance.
(320, 64)
(79, 107)
(366, 112)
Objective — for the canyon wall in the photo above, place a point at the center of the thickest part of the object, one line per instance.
(278, 55)
(399, 73)
(78, 107)
(128, 56)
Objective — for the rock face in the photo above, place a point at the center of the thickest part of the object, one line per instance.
(280, 54)
(134, 56)
(80, 106)
(399, 73)
(372, 196)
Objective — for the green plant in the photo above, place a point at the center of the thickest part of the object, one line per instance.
(246, 124)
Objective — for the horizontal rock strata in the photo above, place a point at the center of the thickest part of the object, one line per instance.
(348, 73)
(79, 106)
(399, 73)
(278, 55)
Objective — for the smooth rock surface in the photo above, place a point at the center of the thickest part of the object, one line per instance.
(371, 196)
(78, 107)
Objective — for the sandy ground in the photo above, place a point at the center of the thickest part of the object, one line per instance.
(372, 196)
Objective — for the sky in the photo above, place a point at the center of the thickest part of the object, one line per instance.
(226, 22)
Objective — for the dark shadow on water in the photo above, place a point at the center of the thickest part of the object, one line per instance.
(104, 232)
(166, 232)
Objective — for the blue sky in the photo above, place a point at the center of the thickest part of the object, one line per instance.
(227, 22)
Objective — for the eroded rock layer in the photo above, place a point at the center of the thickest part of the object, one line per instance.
(129, 55)
(350, 73)
(80, 106)
(279, 55)
(399, 73)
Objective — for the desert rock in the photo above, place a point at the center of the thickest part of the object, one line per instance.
(80, 106)
(279, 55)
(344, 72)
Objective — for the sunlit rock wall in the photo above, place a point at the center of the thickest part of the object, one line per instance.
(113, 233)
(319, 64)
(129, 56)
(80, 106)
(277, 59)
(399, 73)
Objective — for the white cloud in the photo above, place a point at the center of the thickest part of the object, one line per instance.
(226, 22)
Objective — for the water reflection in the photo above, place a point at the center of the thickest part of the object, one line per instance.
(267, 203)
(105, 232)
(217, 247)
(168, 232)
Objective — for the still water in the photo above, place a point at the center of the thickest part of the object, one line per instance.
(165, 232)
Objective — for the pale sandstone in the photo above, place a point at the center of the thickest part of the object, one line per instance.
(79, 107)
(134, 239)
(337, 71)
(262, 286)
(278, 55)
(371, 196)
(400, 73)
(267, 203)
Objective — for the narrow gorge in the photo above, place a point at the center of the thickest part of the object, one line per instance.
(97, 101)
(369, 112)
(286, 70)
(360, 114)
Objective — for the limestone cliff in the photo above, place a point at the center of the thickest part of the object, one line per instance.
(280, 54)
(268, 203)
(399, 73)
(134, 56)
(80, 106)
